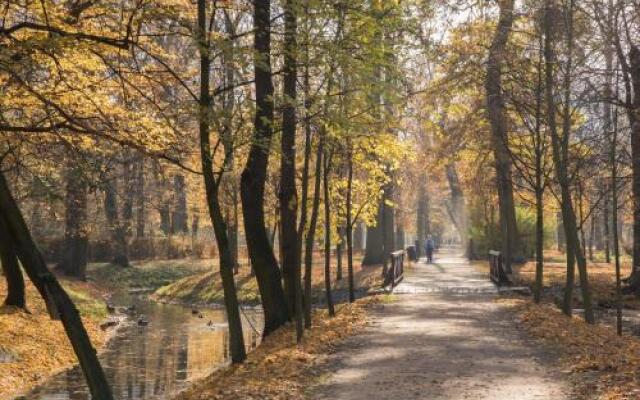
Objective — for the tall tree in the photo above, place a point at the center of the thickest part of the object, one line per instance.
(254, 176)
(560, 147)
(499, 131)
(212, 186)
(291, 268)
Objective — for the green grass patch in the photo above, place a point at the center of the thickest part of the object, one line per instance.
(151, 274)
(87, 304)
(206, 288)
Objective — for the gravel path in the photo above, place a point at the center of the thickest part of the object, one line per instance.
(444, 338)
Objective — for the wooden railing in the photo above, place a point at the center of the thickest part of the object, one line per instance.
(393, 273)
(497, 272)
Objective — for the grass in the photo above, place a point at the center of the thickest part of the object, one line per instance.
(206, 287)
(86, 300)
(147, 274)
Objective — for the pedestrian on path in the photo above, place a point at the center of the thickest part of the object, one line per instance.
(429, 247)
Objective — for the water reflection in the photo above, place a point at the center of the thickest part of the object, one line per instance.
(153, 361)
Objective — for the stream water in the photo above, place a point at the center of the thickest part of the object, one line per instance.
(155, 360)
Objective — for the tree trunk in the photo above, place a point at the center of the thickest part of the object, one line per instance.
(560, 237)
(560, 147)
(327, 234)
(58, 302)
(633, 111)
(374, 250)
(288, 195)
(349, 230)
(499, 133)
(76, 242)
(232, 233)
(458, 212)
(592, 235)
(339, 247)
(310, 239)
(254, 177)
(116, 226)
(539, 181)
(388, 222)
(236, 337)
(422, 215)
(140, 197)
(179, 214)
(358, 236)
(11, 270)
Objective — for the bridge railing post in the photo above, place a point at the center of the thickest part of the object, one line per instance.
(497, 272)
(395, 272)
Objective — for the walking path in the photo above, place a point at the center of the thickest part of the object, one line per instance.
(444, 338)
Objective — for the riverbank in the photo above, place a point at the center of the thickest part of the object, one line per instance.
(205, 288)
(279, 368)
(33, 347)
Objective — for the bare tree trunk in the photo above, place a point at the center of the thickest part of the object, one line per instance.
(310, 239)
(327, 233)
(288, 194)
(388, 221)
(339, 250)
(592, 235)
(349, 229)
(253, 178)
(560, 156)
(511, 245)
(539, 182)
(212, 186)
(11, 270)
(614, 209)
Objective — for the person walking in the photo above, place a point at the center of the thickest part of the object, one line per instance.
(429, 246)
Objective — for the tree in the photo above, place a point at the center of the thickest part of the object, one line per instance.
(212, 185)
(254, 176)
(499, 131)
(560, 146)
(291, 266)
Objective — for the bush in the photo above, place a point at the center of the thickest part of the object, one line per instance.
(489, 237)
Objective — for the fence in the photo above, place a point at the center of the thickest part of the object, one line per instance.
(497, 272)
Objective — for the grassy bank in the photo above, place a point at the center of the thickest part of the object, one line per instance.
(206, 288)
(38, 346)
(280, 369)
(146, 274)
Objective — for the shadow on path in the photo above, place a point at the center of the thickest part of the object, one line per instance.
(444, 338)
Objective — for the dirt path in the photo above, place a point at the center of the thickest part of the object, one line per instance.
(444, 338)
